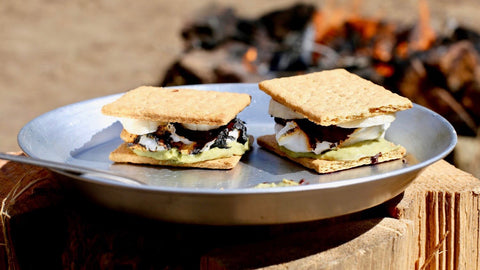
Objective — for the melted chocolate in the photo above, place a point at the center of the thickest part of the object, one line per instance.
(319, 133)
(374, 159)
(200, 138)
(220, 134)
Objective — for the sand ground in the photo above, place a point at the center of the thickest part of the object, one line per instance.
(54, 53)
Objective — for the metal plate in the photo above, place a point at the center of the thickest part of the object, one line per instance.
(80, 134)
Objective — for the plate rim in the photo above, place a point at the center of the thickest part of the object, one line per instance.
(251, 190)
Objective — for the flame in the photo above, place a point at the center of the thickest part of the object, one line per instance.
(323, 26)
(338, 21)
(367, 27)
(384, 69)
(423, 35)
(249, 58)
(329, 21)
(378, 38)
(402, 49)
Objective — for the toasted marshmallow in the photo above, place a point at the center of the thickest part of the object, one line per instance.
(366, 134)
(292, 137)
(276, 109)
(177, 138)
(151, 144)
(138, 126)
(369, 122)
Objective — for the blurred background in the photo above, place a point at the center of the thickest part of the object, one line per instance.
(54, 53)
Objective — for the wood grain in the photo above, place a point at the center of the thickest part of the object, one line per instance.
(434, 224)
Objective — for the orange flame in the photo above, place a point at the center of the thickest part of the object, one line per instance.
(424, 35)
(366, 26)
(402, 50)
(327, 23)
(384, 69)
(331, 22)
(249, 58)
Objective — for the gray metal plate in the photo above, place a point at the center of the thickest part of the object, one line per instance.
(79, 134)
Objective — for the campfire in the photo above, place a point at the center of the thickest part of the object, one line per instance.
(438, 70)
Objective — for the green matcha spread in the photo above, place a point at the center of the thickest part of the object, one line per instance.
(235, 148)
(351, 152)
(284, 183)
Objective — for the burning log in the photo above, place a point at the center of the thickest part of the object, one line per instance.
(216, 45)
(225, 64)
(446, 80)
(434, 70)
(210, 30)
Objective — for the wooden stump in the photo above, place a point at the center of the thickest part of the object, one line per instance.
(466, 155)
(434, 224)
(443, 204)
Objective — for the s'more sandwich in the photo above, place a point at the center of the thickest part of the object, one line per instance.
(332, 120)
(180, 127)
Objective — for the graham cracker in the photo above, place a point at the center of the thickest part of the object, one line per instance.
(127, 137)
(123, 154)
(178, 105)
(333, 96)
(328, 166)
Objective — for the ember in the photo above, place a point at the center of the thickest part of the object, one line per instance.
(249, 58)
(439, 71)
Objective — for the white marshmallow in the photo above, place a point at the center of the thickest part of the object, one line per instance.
(150, 144)
(369, 122)
(276, 109)
(292, 137)
(138, 126)
(366, 134)
(177, 138)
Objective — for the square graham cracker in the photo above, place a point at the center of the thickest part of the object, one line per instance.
(123, 154)
(333, 96)
(178, 105)
(328, 166)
